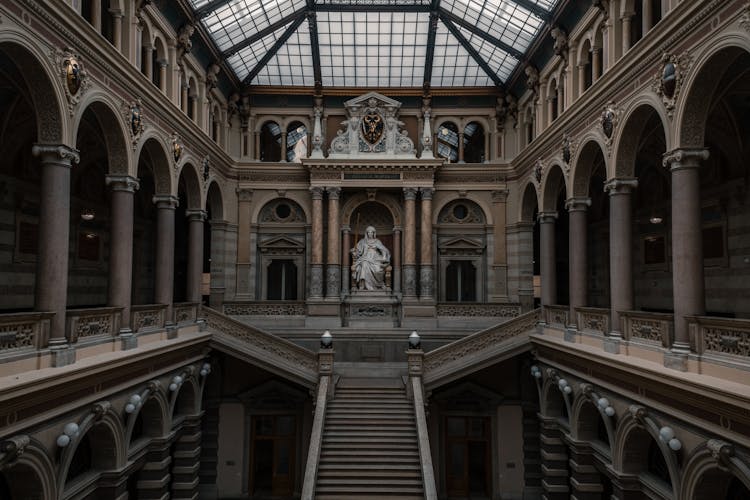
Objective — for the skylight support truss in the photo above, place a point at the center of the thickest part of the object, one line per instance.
(472, 51)
(431, 41)
(209, 8)
(355, 7)
(312, 21)
(263, 33)
(450, 17)
(281, 41)
(534, 9)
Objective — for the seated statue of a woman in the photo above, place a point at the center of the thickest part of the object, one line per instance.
(371, 258)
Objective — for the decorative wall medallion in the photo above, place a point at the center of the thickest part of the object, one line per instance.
(133, 113)
(372, 127)
(667, 83)
(608, 121)
(538, 170)
(567, 149)
(745, 18)
(205, 169)
(176, 148)
(73, 72)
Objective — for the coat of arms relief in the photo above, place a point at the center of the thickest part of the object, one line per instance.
(372, 127)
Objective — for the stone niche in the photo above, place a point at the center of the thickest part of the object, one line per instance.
(372, 130)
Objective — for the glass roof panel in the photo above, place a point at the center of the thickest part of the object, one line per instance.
(372, 49)
(197, 4)
(292, 64)
(500, 61)
(453, 66)
(244, 61)
(240, 19)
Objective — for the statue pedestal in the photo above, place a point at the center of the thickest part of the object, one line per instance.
(365, 308)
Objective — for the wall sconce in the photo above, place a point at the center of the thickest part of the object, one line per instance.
(326, 340)
(205, 369)
(563, 385)
(176, 383)
(606, 407)
(69, 432)
(414, 340)
(655, 219)
(666, 434)
(134, 403)
(87, 214)
(536, 372)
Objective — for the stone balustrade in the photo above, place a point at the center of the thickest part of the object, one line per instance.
(592, 320)
(21, 332)
(471, 309)
(148, 317)
(720, 337)
(186, 312)
(265, 308)
(97, 322)
(655, 329)
(557, 315)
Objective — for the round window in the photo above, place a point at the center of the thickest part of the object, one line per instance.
(283, 211)
(460, 212)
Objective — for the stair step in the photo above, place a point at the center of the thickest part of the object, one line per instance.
(343, 459)
(388, 482)
(365, 468)
(349, 496)
(328, 453)
(367, 440)
(393, 473)
(383, 490)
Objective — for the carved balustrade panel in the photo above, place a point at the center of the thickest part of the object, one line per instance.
(722, 337)
(20, 332)
(96, 322)
(186, 312)
(479, 310)
(592, 320)
(265, 309)
(648, 328)
(557, 315)
(148, 317)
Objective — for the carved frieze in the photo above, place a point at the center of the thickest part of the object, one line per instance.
(73, 74)
(132, 112)
(668, 81)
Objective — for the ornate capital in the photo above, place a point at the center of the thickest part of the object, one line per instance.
(334, 192)
(547, 217)
(196, 215)
(500, 196)
(166, 201)
(410, 193)
(639, 414)
(577, 204)
(426, 193)
(620, 186)
(122, 183)
(12, 448)
(721, 451)
(52, 152)
(679, 159)
(317, 192)
(244, 194)
(100, 408)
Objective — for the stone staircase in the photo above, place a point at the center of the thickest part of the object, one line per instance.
(369, 449)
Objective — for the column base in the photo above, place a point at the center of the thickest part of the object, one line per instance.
(171, 329)
(426, 282)
(202, 324)
(410, 281)
(62, 355)
(571, 334)
(333, 281)
(316, 281)
(127, 339)
(677, 358)
(611, 343)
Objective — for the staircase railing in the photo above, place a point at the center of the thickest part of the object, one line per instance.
(415, 360)
(478, 350)
(266, 350)
(325, 363)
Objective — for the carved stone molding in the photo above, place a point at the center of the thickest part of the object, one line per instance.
(175, 145)
(568, 150)
(72, 72)
(61, 152)
(608, 124)
(132, 112)
(667, 82)
(745, 17)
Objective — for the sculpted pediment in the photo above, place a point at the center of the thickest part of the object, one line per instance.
(364, 100)
(272, 394)
(461, 245)
(281, 244)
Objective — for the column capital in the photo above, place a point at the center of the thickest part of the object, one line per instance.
(196, 214)
(166, 201)
(410, 193)
(426, 193)
(547, 217)
(56, 152)
(500, 196)
(622, 185)
(334, 192)
(397, 229)
(577, 204)
(244, 194)
(346, 228)
(683, 158)
(122, 183)
(317, 192)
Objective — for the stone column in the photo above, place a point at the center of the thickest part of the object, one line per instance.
(184, 97)
(577, 208)
(148, 61)
(550, 109)
(218, 262)
(164, 286)
(648, 19)
(244, 200)
(346, 246)
(186, 456)
(396, 256)
(117, 29)
(121, 250)
(620, 255)
(581, 79)
(555, 478)
(410, 243)
(163, 63)
(548, 268)
(333, 269)
(54, 242)
(560, 97)
(195, 254)
(687, 248)
(316, 267)
(627, 19)
(153, 476)
(596, 67)
(283, 146)
(460, 147)
(96, 16)
(256, 146)
(426, 269)
(500, 254)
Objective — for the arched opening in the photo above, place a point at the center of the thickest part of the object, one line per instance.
(21, 482)
(447, 141)
(95, 452)
(185, 403)
(530, 131)
(296, 142)
(553, 99)
(529, 287)
(270, 142)
(192, 104)
(474, 143)
(213, 251)
(108, 21)
(188, 194)
(554, 236)
(462, 243)
(586, 71)
(159, 60)
(215, 124)
(643, 457)
(721, 484)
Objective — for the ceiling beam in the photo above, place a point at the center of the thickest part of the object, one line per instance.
(432, 31)
(472, 51)
(272, 51)
(534, 9)
(355, 7)
(209, 8)
(312, 24)
(481, 33)
(263, 33)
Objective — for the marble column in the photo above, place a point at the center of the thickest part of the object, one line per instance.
(648, 18)
(256, 146)
(165, 223)
(396, 257)
(244, 284)
(333, 268)
(581, 79)
(577, 208)
(620, 255)
(627, 19)
(596, 67)
(117, 29)
(410, 243)
(461, 147)
(346, 246)
(148, 61)
(96, 16)
(687, 248)
(316, 263)
(163, 63)
(54, 242)
(560, 97)
(426, 268)
(121, 249)
(283, 147)
(195, 254)
(184, 97)
(499, 248)
(547, 267)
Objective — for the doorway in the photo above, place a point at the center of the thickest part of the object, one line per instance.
(467, 462)
(273, 456)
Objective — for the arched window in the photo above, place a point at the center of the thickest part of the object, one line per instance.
(270, 142)
(296, 142)
(474, 143)
(447, 141)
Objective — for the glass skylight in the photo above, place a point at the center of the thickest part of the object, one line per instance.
(372, 43)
